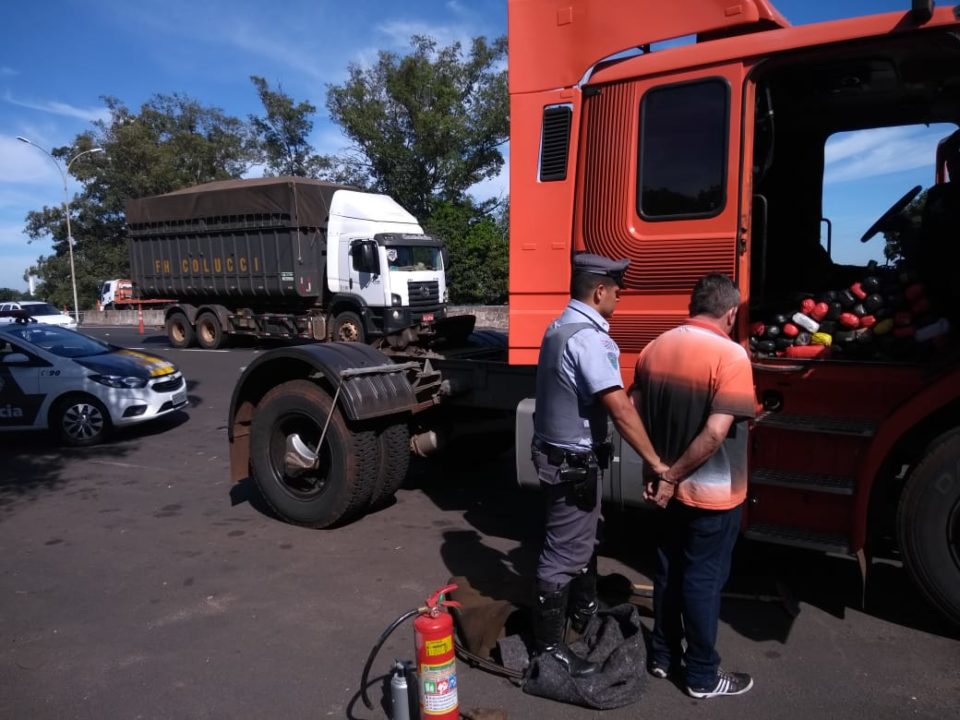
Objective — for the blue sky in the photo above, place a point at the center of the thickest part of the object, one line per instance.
(58, 57)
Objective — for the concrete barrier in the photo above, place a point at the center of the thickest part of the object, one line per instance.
(488, 316)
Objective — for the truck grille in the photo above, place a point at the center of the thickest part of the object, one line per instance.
(424, 293)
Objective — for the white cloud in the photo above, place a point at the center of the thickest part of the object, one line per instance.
(882, 151)
(399, 32)
(60, 108)
(8, 71)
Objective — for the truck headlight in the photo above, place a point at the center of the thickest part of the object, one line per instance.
(395, 300)
(118, 381)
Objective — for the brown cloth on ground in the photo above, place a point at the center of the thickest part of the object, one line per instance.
(482, 619)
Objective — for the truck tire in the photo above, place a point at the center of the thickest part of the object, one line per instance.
(210, 335)
(394, 445)
(929, 525)
(179, 331)
(347, 327)
(80, 420)
(341, 486)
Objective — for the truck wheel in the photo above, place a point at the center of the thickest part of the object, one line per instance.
(80, 420)
(929, 525)
(341, 484)
(210, 335)
(394, 442)
(347, 327)
(179, 331)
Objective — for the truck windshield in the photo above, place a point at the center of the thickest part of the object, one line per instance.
(413, 257)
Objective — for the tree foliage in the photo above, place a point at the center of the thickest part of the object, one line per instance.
(478, 249)
(283, 134)
(428, 125)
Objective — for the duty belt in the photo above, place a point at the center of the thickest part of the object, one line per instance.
(558, 455)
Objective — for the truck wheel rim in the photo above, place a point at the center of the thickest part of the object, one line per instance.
(301, 484)
(349, 332)
(206, 332)
(177, 331)
(82, 421)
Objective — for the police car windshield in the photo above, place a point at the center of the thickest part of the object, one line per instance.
(58, 341)
(40, 309)
(416, 257)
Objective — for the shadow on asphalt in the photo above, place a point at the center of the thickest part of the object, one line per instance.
(773, 578)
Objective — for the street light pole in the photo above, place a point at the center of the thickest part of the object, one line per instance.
(66, 211)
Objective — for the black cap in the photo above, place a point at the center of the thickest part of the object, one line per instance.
(600, 265)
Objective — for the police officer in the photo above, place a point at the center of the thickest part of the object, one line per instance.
(578, 387)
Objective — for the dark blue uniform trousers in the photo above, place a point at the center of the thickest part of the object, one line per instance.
(694, 548)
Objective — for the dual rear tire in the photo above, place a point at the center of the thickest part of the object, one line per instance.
(358, 466)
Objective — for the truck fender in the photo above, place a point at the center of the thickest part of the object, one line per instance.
(189, 310)
(934, 398)
(222, 313)
(371, 386)
(340, 302)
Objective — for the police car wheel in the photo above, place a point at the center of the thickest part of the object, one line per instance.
(290, 421)
(80, 420)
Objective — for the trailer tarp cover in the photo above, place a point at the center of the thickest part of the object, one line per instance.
(306, 202)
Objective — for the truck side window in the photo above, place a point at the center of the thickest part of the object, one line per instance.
(683, 150)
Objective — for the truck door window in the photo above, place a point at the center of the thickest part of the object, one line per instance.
(683, 150)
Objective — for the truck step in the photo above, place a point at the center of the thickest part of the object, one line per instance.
(856, 427)
(833, 484)
(798, 537)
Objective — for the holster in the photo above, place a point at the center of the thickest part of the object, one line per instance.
(582, 472)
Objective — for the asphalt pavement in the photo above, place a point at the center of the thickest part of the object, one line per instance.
(137, 581)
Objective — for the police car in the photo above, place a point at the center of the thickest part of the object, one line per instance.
(77, 386)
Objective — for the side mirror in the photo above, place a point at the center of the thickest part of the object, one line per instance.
(15, 359)
(367, 260)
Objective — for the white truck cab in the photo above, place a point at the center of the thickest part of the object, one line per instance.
(379, 257)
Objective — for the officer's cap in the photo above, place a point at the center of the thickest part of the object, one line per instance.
(600, 265)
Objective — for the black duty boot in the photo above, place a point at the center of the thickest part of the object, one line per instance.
(583, 598)
(549, 623)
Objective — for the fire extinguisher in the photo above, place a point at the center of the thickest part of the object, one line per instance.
(435, 649)
(436, 662)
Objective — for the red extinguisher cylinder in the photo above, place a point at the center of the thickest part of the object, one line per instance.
(436, 660)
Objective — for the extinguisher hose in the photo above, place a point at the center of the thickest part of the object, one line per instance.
(376, 648)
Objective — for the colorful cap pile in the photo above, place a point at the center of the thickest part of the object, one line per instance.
(880, 313)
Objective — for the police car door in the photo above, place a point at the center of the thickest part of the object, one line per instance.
(20, 396)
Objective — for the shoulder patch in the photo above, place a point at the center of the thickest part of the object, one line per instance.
(614, 360)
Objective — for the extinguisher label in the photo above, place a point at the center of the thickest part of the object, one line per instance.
(439, 647)
(439, 687)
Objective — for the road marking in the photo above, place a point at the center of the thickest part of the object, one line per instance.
(198, 350)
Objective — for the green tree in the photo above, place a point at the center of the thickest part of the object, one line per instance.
(282, 134)
(476, 240)
(172, 142)
(428, 125)
(11, 294)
